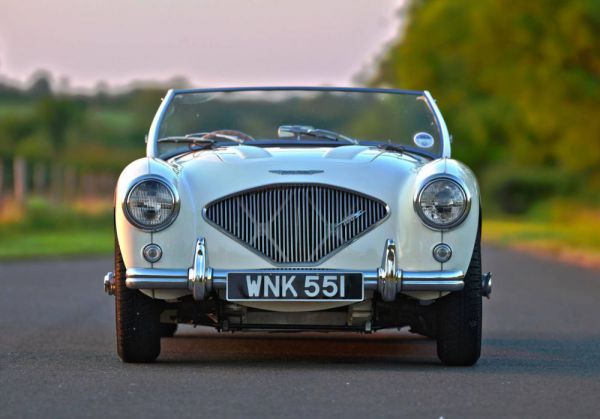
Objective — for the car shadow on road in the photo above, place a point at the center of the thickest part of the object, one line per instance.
(388, 349)
(288, 349)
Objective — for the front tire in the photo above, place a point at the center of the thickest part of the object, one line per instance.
(460, 315)
(167, 330)
(137, 318)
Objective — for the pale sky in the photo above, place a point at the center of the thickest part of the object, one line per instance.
(210, 42)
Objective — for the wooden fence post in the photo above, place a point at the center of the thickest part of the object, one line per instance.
(56, 183)
(39, 178)
(1, 179)
(69, 183)
(20, 179)
(1, 185)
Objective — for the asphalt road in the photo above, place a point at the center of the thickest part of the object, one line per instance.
(541, 356)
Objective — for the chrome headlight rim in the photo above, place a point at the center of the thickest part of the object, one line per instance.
(427, 182)
(175, 200)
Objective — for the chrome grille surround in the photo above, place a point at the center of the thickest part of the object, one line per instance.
(296, 224)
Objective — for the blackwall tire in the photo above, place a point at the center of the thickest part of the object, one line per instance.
(137, 319)
(167, 330)
(460, 317)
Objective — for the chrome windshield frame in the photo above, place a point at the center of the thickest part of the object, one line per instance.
(153, 134)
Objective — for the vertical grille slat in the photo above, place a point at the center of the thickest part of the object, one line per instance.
(296, 223)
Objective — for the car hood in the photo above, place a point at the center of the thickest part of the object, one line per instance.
(219, 172)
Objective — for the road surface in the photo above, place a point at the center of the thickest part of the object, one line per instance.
(540, 358)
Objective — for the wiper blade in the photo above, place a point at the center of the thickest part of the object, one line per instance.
(188, 139)
(299, 130)
(399, 148)
(202, 137)
(193, 144)
(392, 147)
(205, 140)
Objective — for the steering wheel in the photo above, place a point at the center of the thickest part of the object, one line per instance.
(230, 134)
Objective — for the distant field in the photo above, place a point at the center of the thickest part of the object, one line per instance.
(117, 119)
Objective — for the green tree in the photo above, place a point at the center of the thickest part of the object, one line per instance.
(57, 115)
(518, 82)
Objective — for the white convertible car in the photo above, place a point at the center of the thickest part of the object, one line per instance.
(298, 209)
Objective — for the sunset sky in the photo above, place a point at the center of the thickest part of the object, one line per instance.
(211, 43)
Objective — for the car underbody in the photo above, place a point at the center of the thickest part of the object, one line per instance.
(364, 317)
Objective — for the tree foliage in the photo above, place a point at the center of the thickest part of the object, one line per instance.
(518, 82)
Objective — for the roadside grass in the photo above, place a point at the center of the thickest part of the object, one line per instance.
(43, 229)
(545, 234)
(28, 245)
(576, 241)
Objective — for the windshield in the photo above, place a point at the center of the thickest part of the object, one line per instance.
(288, 117)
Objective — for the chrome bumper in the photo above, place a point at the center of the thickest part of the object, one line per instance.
(201, 279)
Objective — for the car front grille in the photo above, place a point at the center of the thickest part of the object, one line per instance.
(296, 223)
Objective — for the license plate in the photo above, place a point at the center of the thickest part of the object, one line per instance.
(295, 286)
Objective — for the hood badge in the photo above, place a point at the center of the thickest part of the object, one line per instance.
(296, 172)
(350, 218)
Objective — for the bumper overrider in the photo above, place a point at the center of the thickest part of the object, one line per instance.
(388, 280)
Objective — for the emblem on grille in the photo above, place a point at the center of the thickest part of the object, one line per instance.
(296, 172)
(350, 218)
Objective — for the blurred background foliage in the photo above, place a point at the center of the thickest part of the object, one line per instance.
(60, 156)
(518, 84)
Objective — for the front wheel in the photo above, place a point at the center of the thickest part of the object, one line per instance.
(138, 319)
(167, 330)
(459, 317)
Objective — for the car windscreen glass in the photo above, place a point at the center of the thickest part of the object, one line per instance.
(403, 118)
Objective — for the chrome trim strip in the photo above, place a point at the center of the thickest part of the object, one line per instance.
(199, 276)
(142, 273)
(158, 282)
(446, 151)
(452, 275)
(300, 88)
(296, 172)
(152, 146)
(443, 285)
(148, 278)
(389, 278)
(178, 279)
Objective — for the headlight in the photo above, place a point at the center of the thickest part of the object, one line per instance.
(151, 204)
(442, 203)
